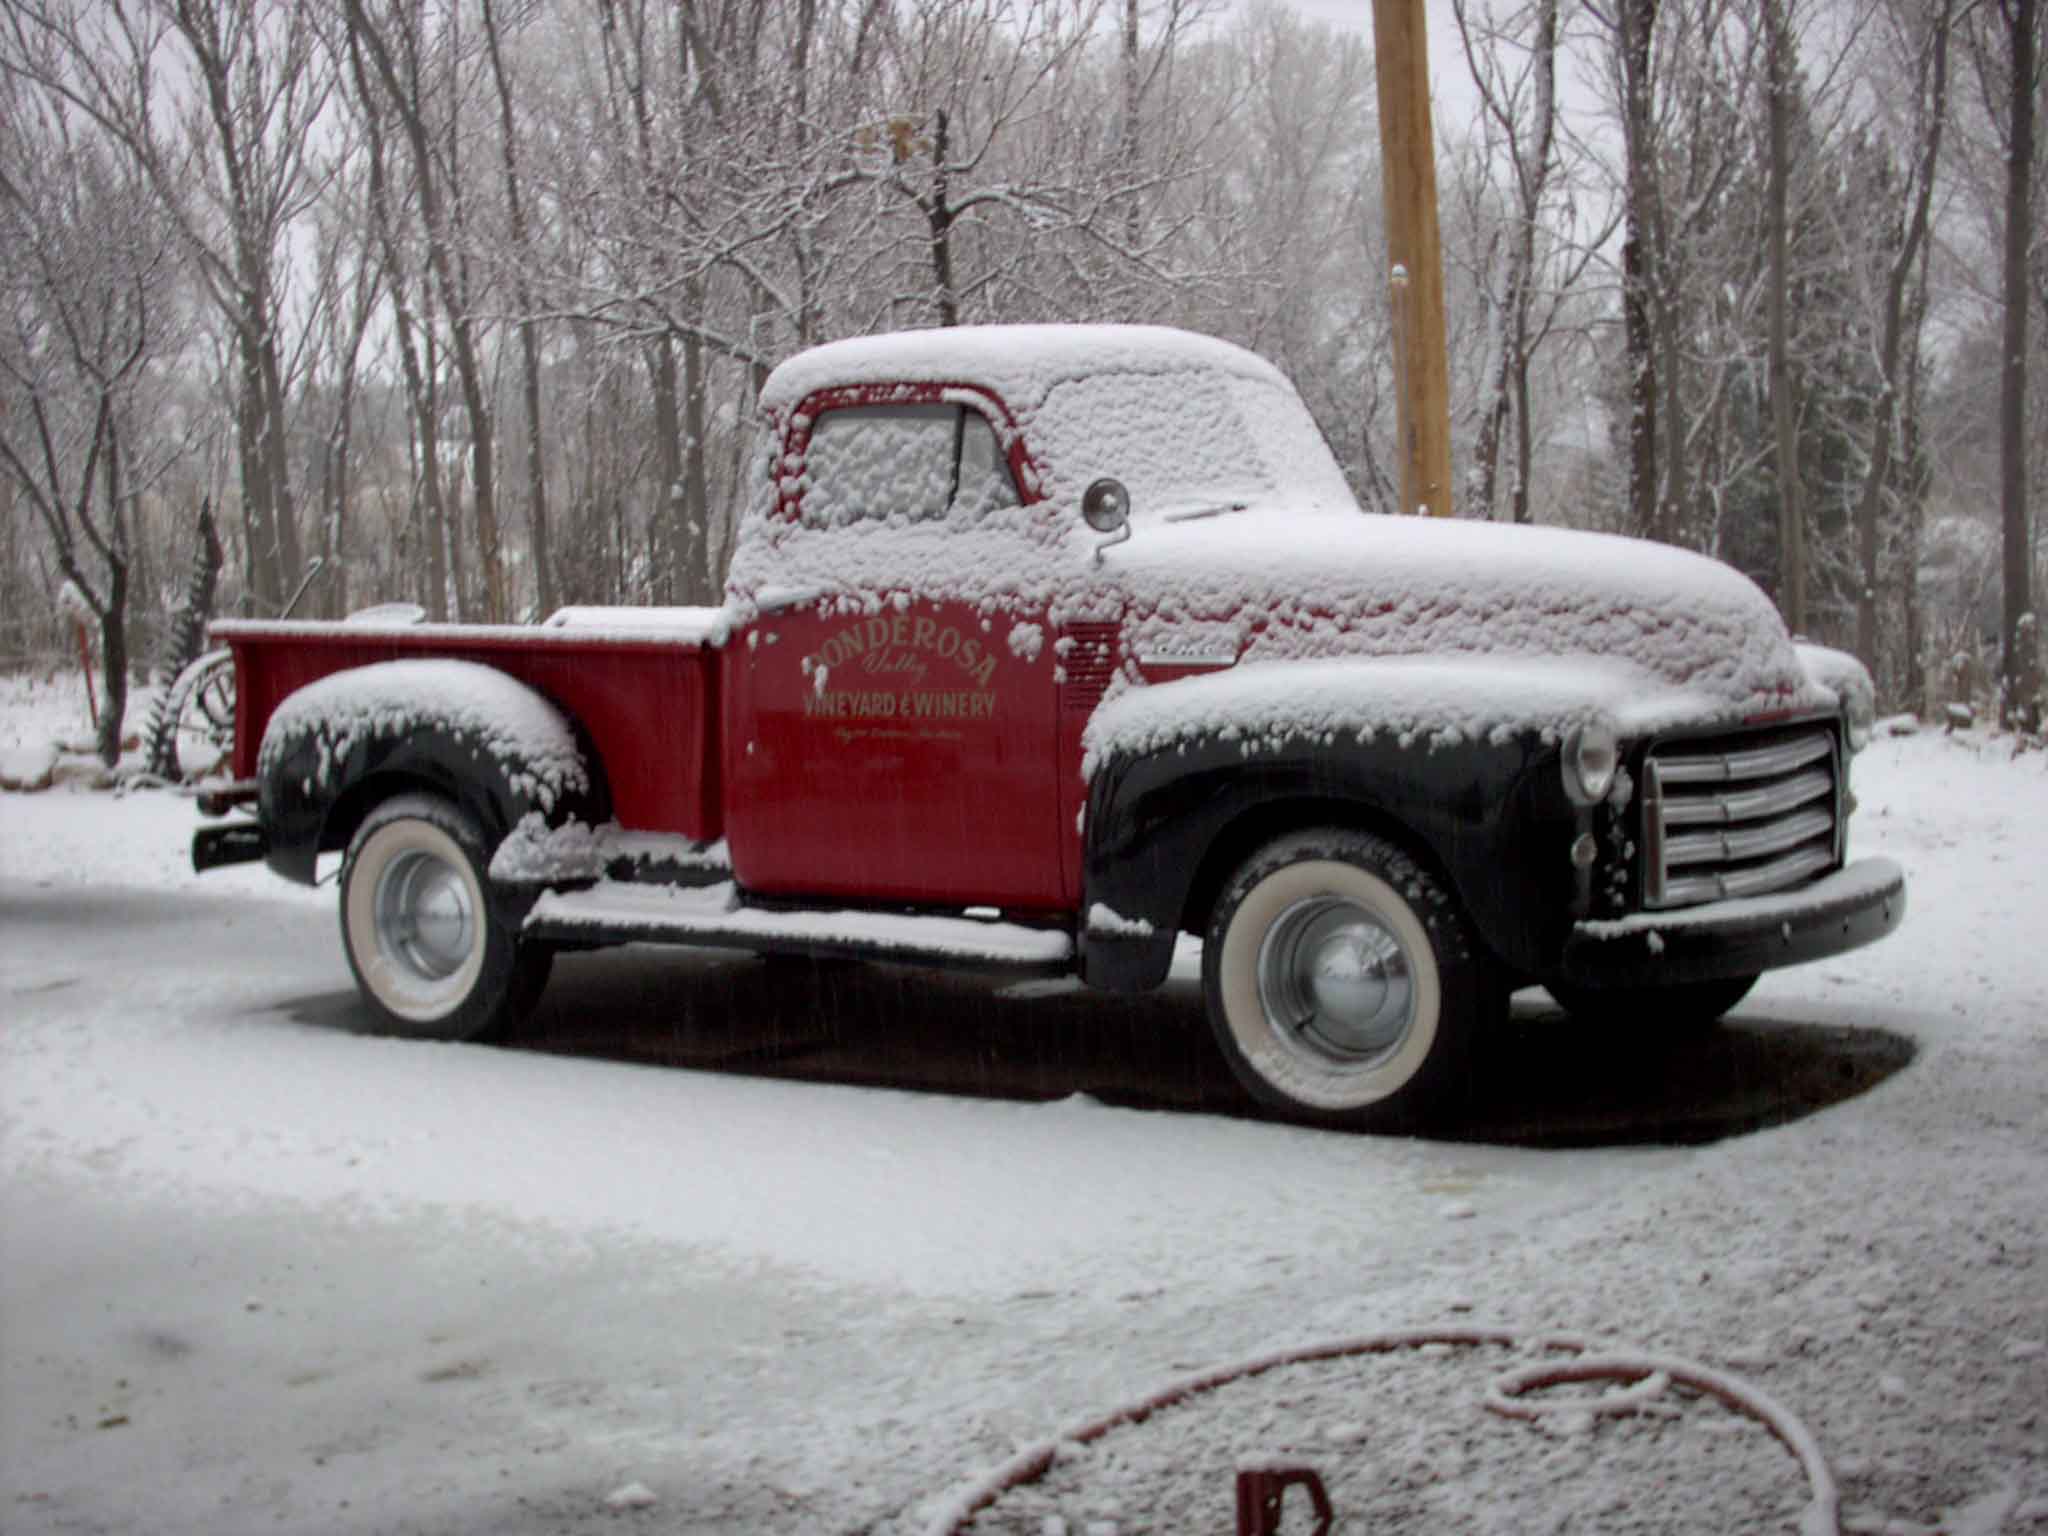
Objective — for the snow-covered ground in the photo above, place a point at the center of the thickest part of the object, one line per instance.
(262, 1272)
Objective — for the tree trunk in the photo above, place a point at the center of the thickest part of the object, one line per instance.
(1676, 494)
(427, 432)
(339, 491)
(277, 455)
(270, 510)
(695, 586)
(419, 390)
(445, 508)
(483, 480)
(537, 521)
(266, 468)
(113, 614)
(1916, 502)
(12, 594)
(113, 666)
(939, 213)
(1892, 321)
(1510, 390)
(442, 224)
(260, 575)
(666, 535)
(529, 337)
(1525, 448)
(1779, 69)
(1128, 151)
(1638, 17)
(2019, 662)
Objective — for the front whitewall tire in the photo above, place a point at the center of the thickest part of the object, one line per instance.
(1343, 982)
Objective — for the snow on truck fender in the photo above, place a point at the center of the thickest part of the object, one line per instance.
(468, 731)
(1455, 756)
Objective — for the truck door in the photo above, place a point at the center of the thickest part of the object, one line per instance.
(893, 733)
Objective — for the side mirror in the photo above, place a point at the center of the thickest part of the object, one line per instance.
(1106, 507)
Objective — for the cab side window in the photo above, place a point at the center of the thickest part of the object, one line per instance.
(904, 464)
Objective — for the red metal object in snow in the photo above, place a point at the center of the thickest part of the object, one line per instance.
(1262, 1497)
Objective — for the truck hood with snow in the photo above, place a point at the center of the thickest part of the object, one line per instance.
(1565, 621)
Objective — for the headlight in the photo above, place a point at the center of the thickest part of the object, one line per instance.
(1591, 756)
(1859, 716)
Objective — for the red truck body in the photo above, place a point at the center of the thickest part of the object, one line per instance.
(943, 777)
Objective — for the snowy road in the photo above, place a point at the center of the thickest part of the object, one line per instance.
(265, 1273)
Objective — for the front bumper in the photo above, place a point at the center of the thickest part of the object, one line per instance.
(1839, 912)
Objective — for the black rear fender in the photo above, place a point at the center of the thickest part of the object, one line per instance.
(339, 747)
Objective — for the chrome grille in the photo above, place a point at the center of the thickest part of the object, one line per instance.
(1739, 817)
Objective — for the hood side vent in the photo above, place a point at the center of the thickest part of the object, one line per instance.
(1086, 657)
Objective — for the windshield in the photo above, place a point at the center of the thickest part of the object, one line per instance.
(1187, 442)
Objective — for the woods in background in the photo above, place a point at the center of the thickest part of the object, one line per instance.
(470, 299)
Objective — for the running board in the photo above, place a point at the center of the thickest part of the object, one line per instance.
(621, 912)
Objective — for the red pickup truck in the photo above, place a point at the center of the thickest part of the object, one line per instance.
(1044, 646)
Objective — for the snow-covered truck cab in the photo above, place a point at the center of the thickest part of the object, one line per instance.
(1044, 646)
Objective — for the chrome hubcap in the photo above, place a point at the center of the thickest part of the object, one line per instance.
(426, 921)
(1335, 980)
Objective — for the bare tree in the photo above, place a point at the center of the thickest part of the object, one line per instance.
(347, 292)
(404, 54)
(529, 326)
(2009, 67)
(1632, 24)
(1512, 60)
(413, 338)
(1781, 66)
(1681, 74)
(225, 136)
(1906, 250)
(89, 307)
(660, 104)
(972, 84)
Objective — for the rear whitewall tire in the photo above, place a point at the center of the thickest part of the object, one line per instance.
(429, 953)
(1343, 982)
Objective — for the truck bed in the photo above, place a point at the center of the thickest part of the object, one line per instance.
(642, 683)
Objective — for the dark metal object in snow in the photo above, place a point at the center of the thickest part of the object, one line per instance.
(1644, 1376)
(188, 640)
(1262, 1497)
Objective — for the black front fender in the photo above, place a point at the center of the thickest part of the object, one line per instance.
(1165, 830)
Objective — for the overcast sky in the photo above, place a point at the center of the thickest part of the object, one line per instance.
(1446, 62)
(1452, 97)
(1450, 86)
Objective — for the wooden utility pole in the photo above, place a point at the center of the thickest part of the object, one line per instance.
(1414, 255)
